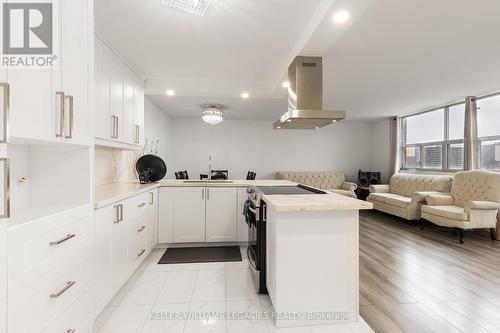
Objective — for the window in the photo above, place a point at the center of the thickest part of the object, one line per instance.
(488, 126)
(434, 140)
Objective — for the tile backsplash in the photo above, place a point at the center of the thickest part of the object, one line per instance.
(114, 165)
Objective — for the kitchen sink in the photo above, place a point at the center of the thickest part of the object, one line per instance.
(208, 181)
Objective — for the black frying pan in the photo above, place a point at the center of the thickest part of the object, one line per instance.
(150, 168)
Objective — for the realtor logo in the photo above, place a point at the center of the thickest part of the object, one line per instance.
(27, 28)
(28, 36)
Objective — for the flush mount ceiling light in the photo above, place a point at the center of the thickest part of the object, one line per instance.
(245, 95)
(212, 114)
(341, 16)
(170, 92)
(286, 84)
(196, 7)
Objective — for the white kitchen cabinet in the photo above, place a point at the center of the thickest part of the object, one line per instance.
(241, 225)
(52, 104)
(119, 111)
(152, 232)
(103, 229)
(221, 216)
(189, 214)
(119, 248)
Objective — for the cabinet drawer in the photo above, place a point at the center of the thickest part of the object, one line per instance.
(138, 236)
(135, 206)
(38, 248)
(76, 319)
(33, 313)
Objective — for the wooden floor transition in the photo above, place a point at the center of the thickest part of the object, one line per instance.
(424, 281)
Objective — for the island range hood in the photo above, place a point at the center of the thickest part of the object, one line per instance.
(305, 97)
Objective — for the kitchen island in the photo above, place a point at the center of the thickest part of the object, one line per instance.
(312, 260)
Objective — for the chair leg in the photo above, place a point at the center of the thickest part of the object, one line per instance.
(493, 234)
(422, 224)
(461, 233)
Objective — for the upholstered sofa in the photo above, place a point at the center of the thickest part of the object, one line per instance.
(333, 181)
(473, 203)
(406, 193)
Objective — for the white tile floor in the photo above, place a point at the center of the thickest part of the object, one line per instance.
(156, 290)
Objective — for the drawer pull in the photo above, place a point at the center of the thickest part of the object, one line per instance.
(71, 330)
(141, 228)
(68, 237)
(63, 290)
(141, 252)
(141, 205)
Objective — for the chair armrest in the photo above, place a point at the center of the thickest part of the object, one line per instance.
(380, 188)
(419, 197)
(439, 200)
(481, 205)
(347, 186)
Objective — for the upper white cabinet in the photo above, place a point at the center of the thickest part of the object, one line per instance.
(189, 214)
(52, 104)
(119, 103)
(221, 214)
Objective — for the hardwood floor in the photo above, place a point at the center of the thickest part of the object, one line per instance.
(424, 281)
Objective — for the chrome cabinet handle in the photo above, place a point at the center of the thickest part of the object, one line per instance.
(67, 238)
(141, 205)
(71, 104)
(117, 127)
(208, 194)
(137, 133)
(141, 252)
(71, 330)
(6, 110)
(152, 198)
(61, 113)
(117, 214)
(6, 188)
(120, 207)
(68, 285)
(112, 127)
(141, 228)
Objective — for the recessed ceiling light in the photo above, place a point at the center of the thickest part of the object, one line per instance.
(196, 7)
(245, 95)
(334, 121)
(341, 16)
(286, 84)
(278, 127)
(170, 92)
(289, 121)
(316, 127)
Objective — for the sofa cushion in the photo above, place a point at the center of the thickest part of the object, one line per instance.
(398, 201)
(449, 212)
(344, 192)
(379, 197)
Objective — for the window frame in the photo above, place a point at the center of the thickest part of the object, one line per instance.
(445, 143)
(481, 139)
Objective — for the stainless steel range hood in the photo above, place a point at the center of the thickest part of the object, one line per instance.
(305, 97)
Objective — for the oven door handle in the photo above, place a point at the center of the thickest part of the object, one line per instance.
(250, 250)
(252, 210)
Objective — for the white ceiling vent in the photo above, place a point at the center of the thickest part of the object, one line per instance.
(196, 7)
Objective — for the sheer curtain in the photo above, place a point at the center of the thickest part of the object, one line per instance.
(395, 143)
(471, 156)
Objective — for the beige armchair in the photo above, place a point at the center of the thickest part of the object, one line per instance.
(333, 181)
(406, 194)
(473, 203)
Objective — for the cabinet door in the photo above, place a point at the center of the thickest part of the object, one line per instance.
(153, 219)
(242, 226)
(119, 250)
(165, 215)
(129, 131)
(221, 214)
(189, 215)
(104, 219)
(75, 69)
(116, 97)
(103, 122)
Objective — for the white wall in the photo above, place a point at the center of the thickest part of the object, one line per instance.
(381, 149)
(118, 165)
(240, 146)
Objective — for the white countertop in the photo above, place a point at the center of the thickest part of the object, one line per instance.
(312, 202)
(109, 194)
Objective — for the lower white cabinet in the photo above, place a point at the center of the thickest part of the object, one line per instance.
(188, 214)
(124, 235)
(198, 214)
(220, 219)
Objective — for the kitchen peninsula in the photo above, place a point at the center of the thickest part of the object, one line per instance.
(312, 259)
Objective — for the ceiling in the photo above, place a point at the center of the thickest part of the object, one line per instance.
(393, 57)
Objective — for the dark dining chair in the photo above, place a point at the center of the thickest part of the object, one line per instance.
(251, 175)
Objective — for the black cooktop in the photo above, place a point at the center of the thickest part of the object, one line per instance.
(283, 190)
